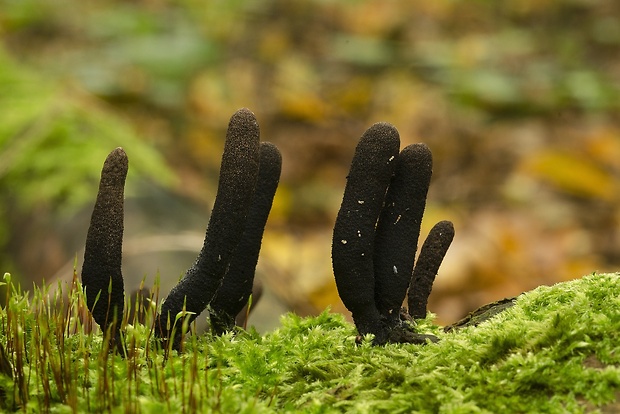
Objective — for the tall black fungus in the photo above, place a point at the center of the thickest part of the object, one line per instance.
(238, 176)
(236, 287)
(101, 272)
(376, 233)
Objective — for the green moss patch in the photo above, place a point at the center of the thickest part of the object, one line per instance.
(556, 350)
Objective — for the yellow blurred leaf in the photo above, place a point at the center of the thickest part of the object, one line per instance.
(297, 90)
(572, 174)
(354, 96)
(302, 105)
(282, 204)
(604, 146)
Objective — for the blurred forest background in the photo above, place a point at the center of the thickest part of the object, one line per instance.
(518, 101)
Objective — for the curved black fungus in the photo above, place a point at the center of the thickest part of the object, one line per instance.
(101, 272)
(238, 175)
(236, 287)
(431, 255)
(398, 229)
(354, 232)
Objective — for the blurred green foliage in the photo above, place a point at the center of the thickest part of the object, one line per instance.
(507, 59)
(53, 140)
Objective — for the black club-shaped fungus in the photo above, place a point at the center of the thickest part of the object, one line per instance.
(238, 176)
(431, 255)
(236, 287)
(376, 235)
(398, 229)
(101, 272)
(354, 232)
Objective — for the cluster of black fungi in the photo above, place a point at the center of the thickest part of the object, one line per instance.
(373, 250)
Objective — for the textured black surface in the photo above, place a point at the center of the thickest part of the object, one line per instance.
(431, 255)
(103, 251)
(398, 229)
(354, 232)
(236, 287)
(238, 175)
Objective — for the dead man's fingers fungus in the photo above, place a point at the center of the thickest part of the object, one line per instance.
(236, 287)
(376, 236)
(398, 229)
(431, 255)
(102, 277)
(238, 176)
(354, 232)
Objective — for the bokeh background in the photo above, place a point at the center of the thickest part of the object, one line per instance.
(518, 101)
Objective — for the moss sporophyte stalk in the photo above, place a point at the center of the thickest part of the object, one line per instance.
(554, 349)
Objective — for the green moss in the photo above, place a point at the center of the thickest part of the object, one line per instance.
(556, 350)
